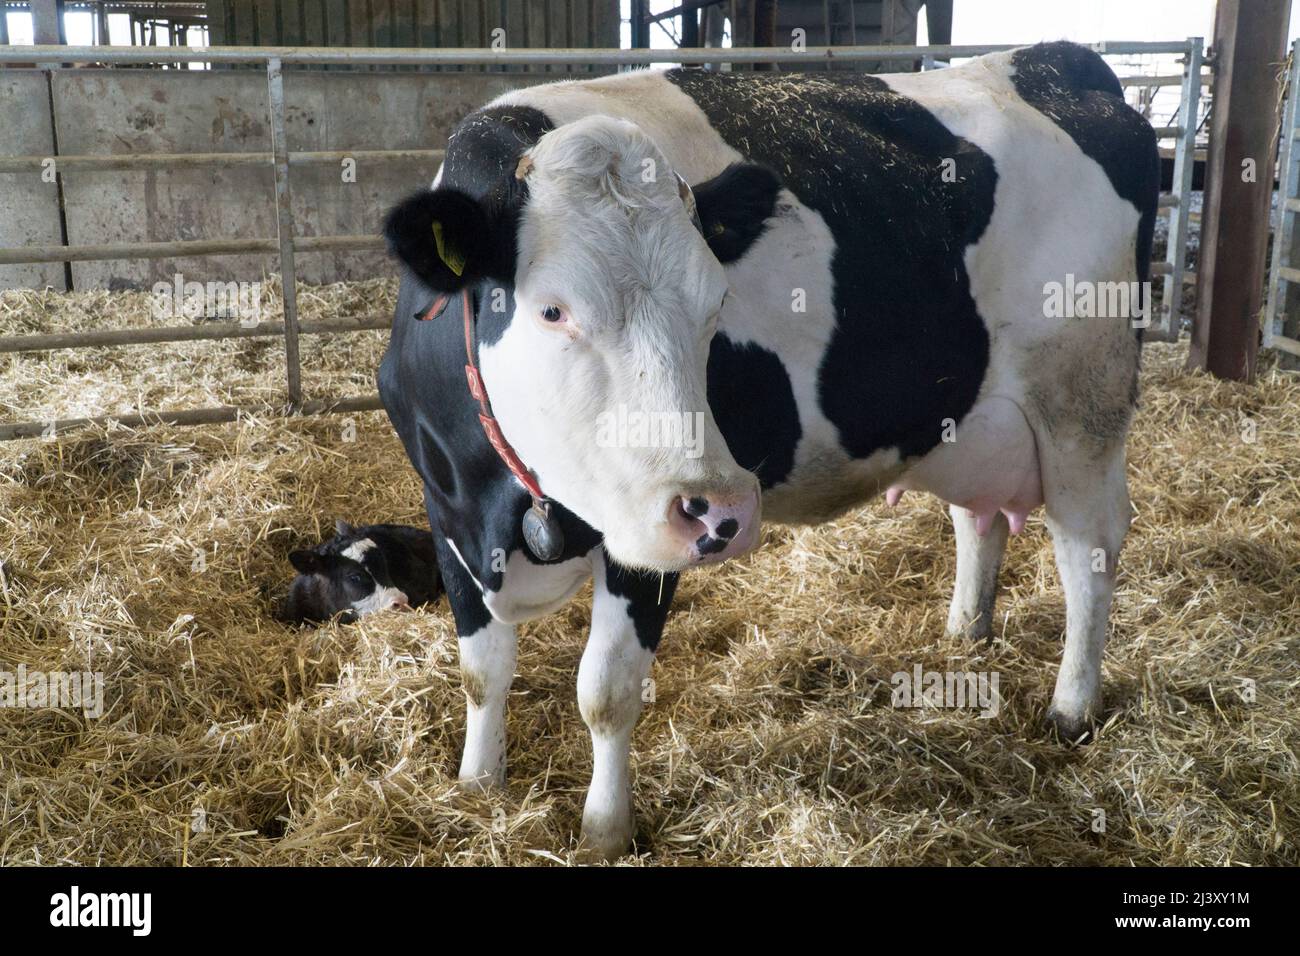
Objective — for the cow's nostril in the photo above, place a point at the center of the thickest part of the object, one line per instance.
(727, 528)
(697, 506)
(679, 514)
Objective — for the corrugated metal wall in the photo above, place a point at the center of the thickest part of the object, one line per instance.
(414, 23)
(860, 22)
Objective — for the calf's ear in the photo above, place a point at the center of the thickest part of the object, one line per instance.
(734, 207)
(342, 528)
(305, 562)
(444, 237)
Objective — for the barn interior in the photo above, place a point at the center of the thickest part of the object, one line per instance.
(156, 470)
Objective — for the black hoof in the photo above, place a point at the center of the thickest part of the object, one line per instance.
(1070, 730)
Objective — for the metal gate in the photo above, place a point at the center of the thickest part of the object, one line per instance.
(287, 242)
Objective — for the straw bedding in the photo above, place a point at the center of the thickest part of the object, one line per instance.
(231, 739)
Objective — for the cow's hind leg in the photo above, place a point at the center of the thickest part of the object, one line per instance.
(978, 559)
(1088, 513)
(627, 618)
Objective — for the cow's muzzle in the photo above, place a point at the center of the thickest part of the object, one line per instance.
(713, 528)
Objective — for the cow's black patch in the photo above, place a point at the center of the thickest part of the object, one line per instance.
(1074, 88)
(753, 403)
(734, 207)
(649, 598)
(908, 349)
(477, 207)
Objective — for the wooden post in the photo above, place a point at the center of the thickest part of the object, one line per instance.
(1249, 47)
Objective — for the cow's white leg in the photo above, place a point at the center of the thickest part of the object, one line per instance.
(487, 667)
(627, 618)
(1088, 515)
(975, 590)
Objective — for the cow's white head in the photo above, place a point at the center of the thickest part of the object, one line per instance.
(597, 297)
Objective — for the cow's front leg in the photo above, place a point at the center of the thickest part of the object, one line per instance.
(627, 618)
(487, 667)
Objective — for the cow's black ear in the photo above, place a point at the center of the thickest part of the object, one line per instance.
(305, 562)
(734, 207)
(341, 528)
(443, 236)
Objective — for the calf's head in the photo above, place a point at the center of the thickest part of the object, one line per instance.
(596, 298)
(348, 574)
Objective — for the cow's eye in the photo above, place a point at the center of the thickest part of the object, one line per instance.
(358, 579)
(552, 313)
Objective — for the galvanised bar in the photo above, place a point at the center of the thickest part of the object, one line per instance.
(189, 416)
(99, 338)
(181, 247)
(107, 161)
(308, 56)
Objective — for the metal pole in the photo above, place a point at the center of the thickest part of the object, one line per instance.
(640, 28)
(826, 26)
(1288, 168)
(1180, 207)
(690, 27)
(765, 29)
(284, 228)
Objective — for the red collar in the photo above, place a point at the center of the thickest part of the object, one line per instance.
(491, 427)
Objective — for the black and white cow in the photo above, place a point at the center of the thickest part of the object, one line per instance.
(855, 277)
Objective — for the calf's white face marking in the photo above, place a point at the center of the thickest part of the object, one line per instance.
(357, 549)
(379, 599)
(616, 300)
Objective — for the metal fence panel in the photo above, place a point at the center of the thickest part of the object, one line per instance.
(278, 133)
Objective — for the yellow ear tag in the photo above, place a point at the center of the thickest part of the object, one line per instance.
(451, 257)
